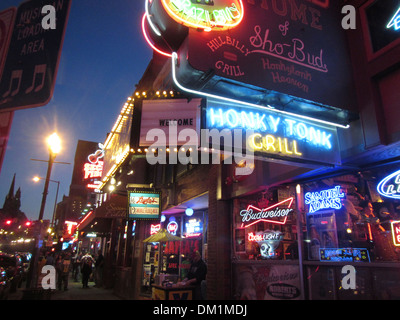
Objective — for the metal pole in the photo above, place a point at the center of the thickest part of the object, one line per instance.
(33, 270)
(55, 203)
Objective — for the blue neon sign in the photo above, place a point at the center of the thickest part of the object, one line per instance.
(276, 134)
(325, 199)
(395, 21)
(390, 186)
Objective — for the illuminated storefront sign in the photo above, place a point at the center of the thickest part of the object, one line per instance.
(172, 227)
(268, 241)
(273, 214)
(396, 232)
(390, 186)
(143, 205)
(194, 228)
(154, 228)
(344, 254)
(395, 21)
(275, 134)
(325, 199)
(205, 14)
(93, 169)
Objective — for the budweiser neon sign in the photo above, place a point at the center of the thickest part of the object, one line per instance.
(273, 214)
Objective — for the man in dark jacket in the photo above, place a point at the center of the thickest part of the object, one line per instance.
(197, 273)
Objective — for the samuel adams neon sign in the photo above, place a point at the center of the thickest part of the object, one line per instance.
(325, 199)
(206, 14)
(390, 186)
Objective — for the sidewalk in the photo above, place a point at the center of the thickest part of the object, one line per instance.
(74, 292)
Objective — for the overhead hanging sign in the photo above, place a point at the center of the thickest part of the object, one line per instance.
(390, 186)
(277, 135)
(206, 14)
(144, 205)
(295, 47)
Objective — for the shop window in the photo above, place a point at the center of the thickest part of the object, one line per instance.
(170, 261)
(265, 226)
(348, 220)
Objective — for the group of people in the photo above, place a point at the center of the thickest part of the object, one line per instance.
(76, 263)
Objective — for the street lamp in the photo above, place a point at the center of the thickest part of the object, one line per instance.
(54, 145)
(37, 179)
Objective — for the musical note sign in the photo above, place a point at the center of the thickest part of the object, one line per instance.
(31, 64)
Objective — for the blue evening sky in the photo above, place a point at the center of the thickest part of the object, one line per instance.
(104, 55)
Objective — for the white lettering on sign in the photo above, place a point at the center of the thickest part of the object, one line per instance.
(252, 215)
(324, 199)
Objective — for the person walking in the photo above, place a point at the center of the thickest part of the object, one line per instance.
(64, 269)
(86, 270)
(98, 270)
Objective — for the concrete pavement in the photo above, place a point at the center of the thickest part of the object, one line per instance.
(74, 292)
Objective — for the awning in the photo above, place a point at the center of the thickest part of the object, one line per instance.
(114, 208)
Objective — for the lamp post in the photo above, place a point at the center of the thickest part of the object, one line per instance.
(36, 179)
(54, 144)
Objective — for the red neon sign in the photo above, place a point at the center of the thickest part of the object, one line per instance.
(154, 228)
(252, 215)
(396, 232)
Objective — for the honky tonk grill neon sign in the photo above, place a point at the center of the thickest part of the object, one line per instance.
(273, 214)
(205, 14)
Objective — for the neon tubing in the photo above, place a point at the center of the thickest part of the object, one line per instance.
(151, 24)
(148, 40)
(174, 62)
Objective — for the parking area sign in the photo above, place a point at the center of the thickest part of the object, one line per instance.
(30, 67)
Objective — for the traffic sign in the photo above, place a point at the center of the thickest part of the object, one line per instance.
(31, 65)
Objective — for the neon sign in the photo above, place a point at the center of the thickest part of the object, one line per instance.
(154, 228)
(390, 186)
(325, 199)
(172, 227)
(344, 254)
(70, 225)
(206, 14)
(395, 21)
(268, 241)
(253, 215)
(94, 168)
(396, 232)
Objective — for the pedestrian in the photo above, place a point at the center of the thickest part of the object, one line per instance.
(64, 269)
(86, 270)
(98, 270)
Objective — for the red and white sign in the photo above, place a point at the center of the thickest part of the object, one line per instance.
(6, 25)
(396, 233)
(276, 213)
(5, 127)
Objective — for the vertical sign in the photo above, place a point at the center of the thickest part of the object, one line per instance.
(32, 61)
(5, 127)
(6, 25)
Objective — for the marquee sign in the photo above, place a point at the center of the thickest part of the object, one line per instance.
(276, 214)
(206, 14)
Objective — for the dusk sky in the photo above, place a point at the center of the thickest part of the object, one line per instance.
(104, 55)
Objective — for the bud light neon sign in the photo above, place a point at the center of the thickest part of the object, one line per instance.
(325, 199)
(390, 186)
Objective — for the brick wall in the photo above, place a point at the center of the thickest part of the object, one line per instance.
(219, 241)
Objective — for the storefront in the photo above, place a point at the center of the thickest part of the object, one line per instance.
(166, 262)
